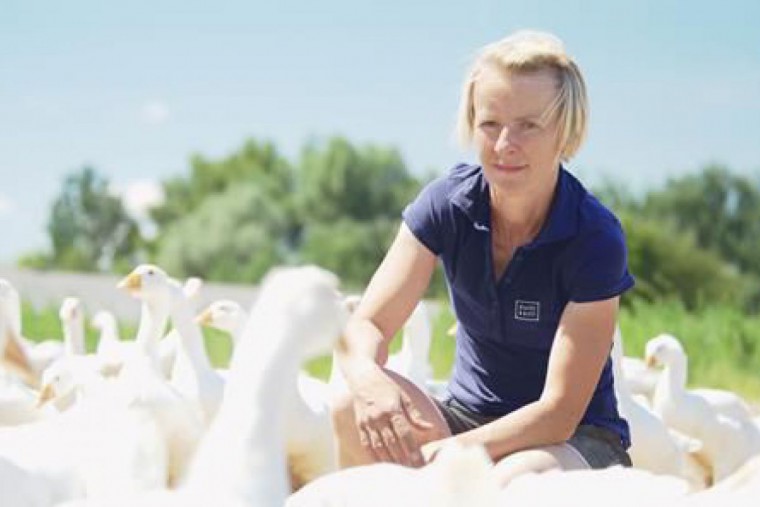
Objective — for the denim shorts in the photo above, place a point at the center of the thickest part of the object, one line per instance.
(599, 447)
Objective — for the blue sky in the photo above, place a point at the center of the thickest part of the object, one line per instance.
(136, 89)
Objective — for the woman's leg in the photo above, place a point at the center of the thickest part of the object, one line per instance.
(351, 452)
(538, 460)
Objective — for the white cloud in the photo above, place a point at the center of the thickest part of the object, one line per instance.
(139, 196)
(155, 112)
(6, 206)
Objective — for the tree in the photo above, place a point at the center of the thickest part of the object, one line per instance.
(256, 163)
(89, 228)
(669, 264)
(340, 180)
(234, 236)
(351, 248)
(722, 210)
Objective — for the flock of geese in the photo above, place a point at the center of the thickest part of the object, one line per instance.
(150, 422)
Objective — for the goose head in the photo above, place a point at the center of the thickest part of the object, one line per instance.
(57, 382)
(662, 350)
(225, 315)
(148, 283)
(72, 321)
(71, 312)
(302, 297)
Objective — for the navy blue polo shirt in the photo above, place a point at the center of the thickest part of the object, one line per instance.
(506, 328)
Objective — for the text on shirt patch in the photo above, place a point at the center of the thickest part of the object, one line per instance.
(527, 310)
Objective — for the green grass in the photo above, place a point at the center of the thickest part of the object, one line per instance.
(722, 344)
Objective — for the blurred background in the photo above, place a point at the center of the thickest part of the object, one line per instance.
(221, 139)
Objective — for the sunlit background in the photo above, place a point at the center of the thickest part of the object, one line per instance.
(221, 139)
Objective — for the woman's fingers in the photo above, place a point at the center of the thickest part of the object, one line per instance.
(410, 449)
(377, 446)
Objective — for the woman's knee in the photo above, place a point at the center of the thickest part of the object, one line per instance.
(538, 460)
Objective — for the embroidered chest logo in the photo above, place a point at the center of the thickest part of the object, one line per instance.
(527, 310)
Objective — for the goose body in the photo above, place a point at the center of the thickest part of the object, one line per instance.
(727, 443)
(653, 445)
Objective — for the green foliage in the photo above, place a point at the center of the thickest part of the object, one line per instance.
(256, 163)
(669, 264)
(340, 181)
(349, 247)
(235, 235)
(89, 228)
(35, 260)
(722, 209)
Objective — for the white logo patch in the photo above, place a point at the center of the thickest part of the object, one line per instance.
(527, 310)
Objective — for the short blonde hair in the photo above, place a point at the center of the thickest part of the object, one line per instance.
(530, 51)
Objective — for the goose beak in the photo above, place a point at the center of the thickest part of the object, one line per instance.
(46, 394)
(132, 282)
(204, 318)
(650, 361)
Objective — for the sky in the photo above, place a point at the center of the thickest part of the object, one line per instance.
(136, 88)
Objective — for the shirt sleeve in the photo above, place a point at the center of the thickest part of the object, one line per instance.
(425, 215)
(599, 269)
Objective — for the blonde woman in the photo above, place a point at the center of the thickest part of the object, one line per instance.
(535, 266)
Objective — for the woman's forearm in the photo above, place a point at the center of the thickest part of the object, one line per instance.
(361, 348)
(537, 424)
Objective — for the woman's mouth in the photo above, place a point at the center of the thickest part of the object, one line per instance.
(510, 167)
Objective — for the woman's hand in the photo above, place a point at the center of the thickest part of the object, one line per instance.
(386, 420)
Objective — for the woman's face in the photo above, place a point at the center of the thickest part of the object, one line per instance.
(517, 147)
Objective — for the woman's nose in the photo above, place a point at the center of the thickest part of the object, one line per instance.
(503, 142)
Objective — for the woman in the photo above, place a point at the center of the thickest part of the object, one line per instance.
(535, 266)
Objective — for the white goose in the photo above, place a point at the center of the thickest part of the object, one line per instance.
(458, 476)
(309, 433)
(727, 443)
(169, 344)
(241, 460)
(36, 356)
(192, 374)
(74, 356)
(110, 351)
(225, 315)
(17, 401)
(653, 446)
(618, 486)
(102, 449)
(140, 376)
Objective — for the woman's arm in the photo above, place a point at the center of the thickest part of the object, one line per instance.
(384, 414)
(579, 352)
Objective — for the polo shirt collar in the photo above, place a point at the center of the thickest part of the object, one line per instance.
(472, 197)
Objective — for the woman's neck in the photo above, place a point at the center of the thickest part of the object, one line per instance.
(519, 217)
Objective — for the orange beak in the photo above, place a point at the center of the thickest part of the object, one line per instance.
(132, 282)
